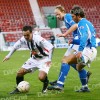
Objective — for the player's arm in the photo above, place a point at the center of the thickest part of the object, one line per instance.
(74, 41)
(10, 53)
(70, 30)
(70, 24)
(16, 46)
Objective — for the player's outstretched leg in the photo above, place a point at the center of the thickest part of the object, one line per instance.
(43, 78)
(45, 85)
(62, 76)
(84, 77)
(19, 78)
(85, 88)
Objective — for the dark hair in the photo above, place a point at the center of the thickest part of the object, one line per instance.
(26, 28)
(61, 8)
(78, 11)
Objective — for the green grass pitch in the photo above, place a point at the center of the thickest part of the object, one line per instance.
(9, 68)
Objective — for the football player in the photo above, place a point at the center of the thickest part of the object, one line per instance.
(68, 58)
(40, 58)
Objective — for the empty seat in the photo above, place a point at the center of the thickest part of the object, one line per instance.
(91, 7)
(13, 13)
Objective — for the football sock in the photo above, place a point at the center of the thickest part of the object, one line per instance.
(19, 79)
(63, 73)
(45, 80)
(84, 86)
(83, 77)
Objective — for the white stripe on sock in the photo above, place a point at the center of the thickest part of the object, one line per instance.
(59, 82)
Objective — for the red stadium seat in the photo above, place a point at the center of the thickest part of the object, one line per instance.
(12, 37)
(15, 11)
(91, 7)
(46, 34)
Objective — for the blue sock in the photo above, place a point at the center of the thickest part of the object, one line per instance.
(83, 76)
(63, 73)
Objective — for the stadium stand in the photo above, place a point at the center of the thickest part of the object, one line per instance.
(10, 38)
(15, 14)
(46, 34)
(90, 7)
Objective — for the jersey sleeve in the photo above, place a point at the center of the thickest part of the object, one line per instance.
(68, 20)
(16, 46)
(19, 43)
(83, 36)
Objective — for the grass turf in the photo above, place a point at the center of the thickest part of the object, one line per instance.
(9, 68)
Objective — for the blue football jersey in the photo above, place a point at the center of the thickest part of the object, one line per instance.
(86, 33)
(69, 22)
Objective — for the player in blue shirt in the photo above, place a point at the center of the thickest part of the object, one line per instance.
(72, 27)
(86, 31)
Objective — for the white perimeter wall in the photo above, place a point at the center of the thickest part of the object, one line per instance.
(2, 42)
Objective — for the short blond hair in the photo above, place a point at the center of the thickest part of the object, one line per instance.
(61, 8)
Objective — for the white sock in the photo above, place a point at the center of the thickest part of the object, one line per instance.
(84, 85)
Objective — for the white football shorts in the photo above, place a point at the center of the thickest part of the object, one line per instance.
(71, 49)
(34, 64)
(88, 55)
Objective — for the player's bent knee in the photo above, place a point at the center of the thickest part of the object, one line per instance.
(79, 67)
(42, 76)
(66, 60)
(21, 72)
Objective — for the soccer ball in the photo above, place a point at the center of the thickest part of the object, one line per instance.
(23, 86)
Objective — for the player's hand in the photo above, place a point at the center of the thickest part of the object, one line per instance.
(59, 35)
(70, 41)
(5, 59)
(79, 55)
(48, 63)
